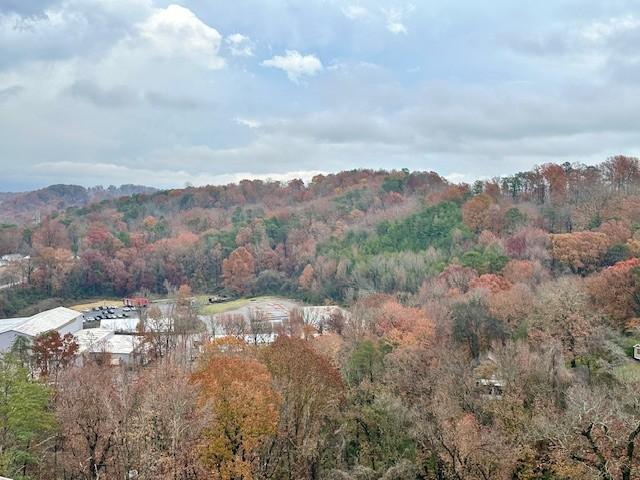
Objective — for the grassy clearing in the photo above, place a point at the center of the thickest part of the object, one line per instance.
(211, 309)
(629, 371)
(96, 303)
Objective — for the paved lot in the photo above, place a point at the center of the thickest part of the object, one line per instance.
(107, 311)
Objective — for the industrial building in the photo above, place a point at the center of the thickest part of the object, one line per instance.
(61, 319)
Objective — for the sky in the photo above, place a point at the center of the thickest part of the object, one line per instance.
(165, 94)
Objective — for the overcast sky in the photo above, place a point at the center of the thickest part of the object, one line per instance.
(201, 91)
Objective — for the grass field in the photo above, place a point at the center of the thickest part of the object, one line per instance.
(96, 303)
(629, 371)
(210, 309)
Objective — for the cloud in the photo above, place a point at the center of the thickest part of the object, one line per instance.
(25, 7)
(247, 122)
(176, 32)
(111, 97)
(113, 174)
(240, 45)
(9, 92)
(355, 12)
(394, 19)
(82, 81)
(295, 64)
(600, 31)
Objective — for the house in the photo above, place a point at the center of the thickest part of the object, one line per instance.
(11, 258)
(490, 388)
(61, 319)
(101, 344)
(636, 351)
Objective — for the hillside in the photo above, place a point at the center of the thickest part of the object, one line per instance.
(21, 207)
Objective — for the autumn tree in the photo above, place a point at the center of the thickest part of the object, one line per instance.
(91, 412)
(580, 251)
(238, 270)
(598, 434)
(52, 352)
(476, 213)
(621, 172)
(311, 390)
(166, 425)
(616, 290)
(238, 390)
(474, 326)
(306, 278)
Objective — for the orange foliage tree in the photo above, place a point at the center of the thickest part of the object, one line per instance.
(475, 212)
(491, 282)
(238, 390)
(615, 289)
(402, 325)
(238, 270)
(306, 278)
(580, 251)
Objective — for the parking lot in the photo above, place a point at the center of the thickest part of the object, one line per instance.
(108, 312)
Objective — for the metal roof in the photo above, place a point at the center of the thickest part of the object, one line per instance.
(90, 338)
(7, 324)
(100, 340)
(122, 344)
(47, 321)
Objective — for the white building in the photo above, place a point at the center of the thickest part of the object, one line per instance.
(102, 343)
(61, 319)
(12, 258)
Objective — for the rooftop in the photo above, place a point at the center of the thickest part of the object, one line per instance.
(91, 338)
(47, 321)
(7, 324)
(100, 340)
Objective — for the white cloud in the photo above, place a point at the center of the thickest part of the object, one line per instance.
(355, 12)
(394, 19)
(113, 174)
(603, 30)
(177, 32)
(240, 45)
(248, 122)
(295, 64)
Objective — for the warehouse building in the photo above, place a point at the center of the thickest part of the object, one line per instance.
(61, 319)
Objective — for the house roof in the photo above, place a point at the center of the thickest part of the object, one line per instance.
(47, 321)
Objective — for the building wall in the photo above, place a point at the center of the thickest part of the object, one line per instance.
(7, 339)
(72, 327)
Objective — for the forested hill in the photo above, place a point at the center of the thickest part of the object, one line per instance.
(335, 238)
(21, 207)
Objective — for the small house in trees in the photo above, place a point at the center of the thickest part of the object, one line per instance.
(491, 388)
(636, 351)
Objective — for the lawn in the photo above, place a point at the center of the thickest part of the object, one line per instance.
(207, 308)
(96, 303)
(628, 371)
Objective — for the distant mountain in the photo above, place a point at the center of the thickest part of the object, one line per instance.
(25, 206)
